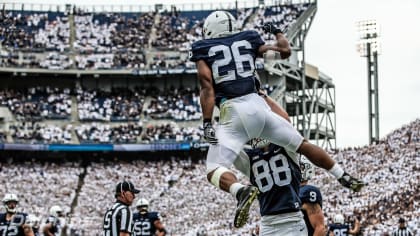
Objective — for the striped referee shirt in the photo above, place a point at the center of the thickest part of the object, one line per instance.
(402, 232)
(117, 219)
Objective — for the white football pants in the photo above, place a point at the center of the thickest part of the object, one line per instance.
(242, 119)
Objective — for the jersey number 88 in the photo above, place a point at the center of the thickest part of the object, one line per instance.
(275, 171)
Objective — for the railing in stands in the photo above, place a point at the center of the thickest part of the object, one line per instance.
(40, 5)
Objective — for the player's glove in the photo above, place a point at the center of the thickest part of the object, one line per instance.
(209, 132)
(269, 27)
(350, 182)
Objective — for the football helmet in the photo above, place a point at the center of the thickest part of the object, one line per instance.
(56, 211)
(338, 219)
(142, 205)
(219, 24)
(306, 168)
(10, 197)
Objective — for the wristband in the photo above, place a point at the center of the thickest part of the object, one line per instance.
(336, 171)
(206, 120)
(262, 94)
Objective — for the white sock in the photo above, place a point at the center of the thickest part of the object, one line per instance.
(336, 171)
(233, 189)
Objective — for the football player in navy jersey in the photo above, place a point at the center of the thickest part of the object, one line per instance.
(225, 61)
(147, 223)
(53, 224)
(276, 174)
(12, 223)
(339, 228)
(311, 199)
(34, 222)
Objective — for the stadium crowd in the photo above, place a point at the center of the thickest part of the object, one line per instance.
(37, 103)
(391, 168)
(104, 40)
(177, 188)
(41, 115)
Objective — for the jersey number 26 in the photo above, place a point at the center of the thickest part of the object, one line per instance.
(238, 59)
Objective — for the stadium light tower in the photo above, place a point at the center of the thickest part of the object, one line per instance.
(368, 46)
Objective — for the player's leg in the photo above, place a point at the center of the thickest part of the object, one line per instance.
(232, 133)
(279, 131)
(238, 118)
(221, 177)
(282, 133)
(316, 155)
(219, 160)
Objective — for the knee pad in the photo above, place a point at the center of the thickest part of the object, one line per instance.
(219, 171)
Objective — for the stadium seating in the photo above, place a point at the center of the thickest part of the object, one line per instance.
(178, 189)
(104, 40)
(175, 183)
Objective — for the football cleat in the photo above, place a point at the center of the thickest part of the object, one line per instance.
(245, 196)
(350, 182)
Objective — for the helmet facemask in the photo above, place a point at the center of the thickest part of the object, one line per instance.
(10, 202)
(143, 209)
(307, 169)
(11, 206)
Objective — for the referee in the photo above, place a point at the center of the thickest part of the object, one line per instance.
(118, 219)
(402, 229)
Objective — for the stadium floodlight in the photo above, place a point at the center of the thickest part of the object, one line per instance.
(368, 46)
(369, 33)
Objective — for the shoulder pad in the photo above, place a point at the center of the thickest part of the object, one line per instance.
(154, 215)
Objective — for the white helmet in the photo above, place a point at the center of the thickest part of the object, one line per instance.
(10, 197)
(219, 24)
(306, 168)
(143, 204)
(33, 221)
(338, 219)
(56, 211)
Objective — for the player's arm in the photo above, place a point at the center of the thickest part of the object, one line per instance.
(356, 227)
(316, 217)
(282, 46)
(207, 96)
(160, 229)
(47, 229)
(124, 234)
(27, 230)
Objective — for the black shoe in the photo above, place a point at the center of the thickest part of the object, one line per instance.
(245, 196)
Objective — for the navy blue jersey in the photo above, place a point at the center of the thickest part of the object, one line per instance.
(310, 194)
(277, 177)
(143, 225)
(12, 227)
(232, 62)
(55, 223)
(36, 231)
(339, 229)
